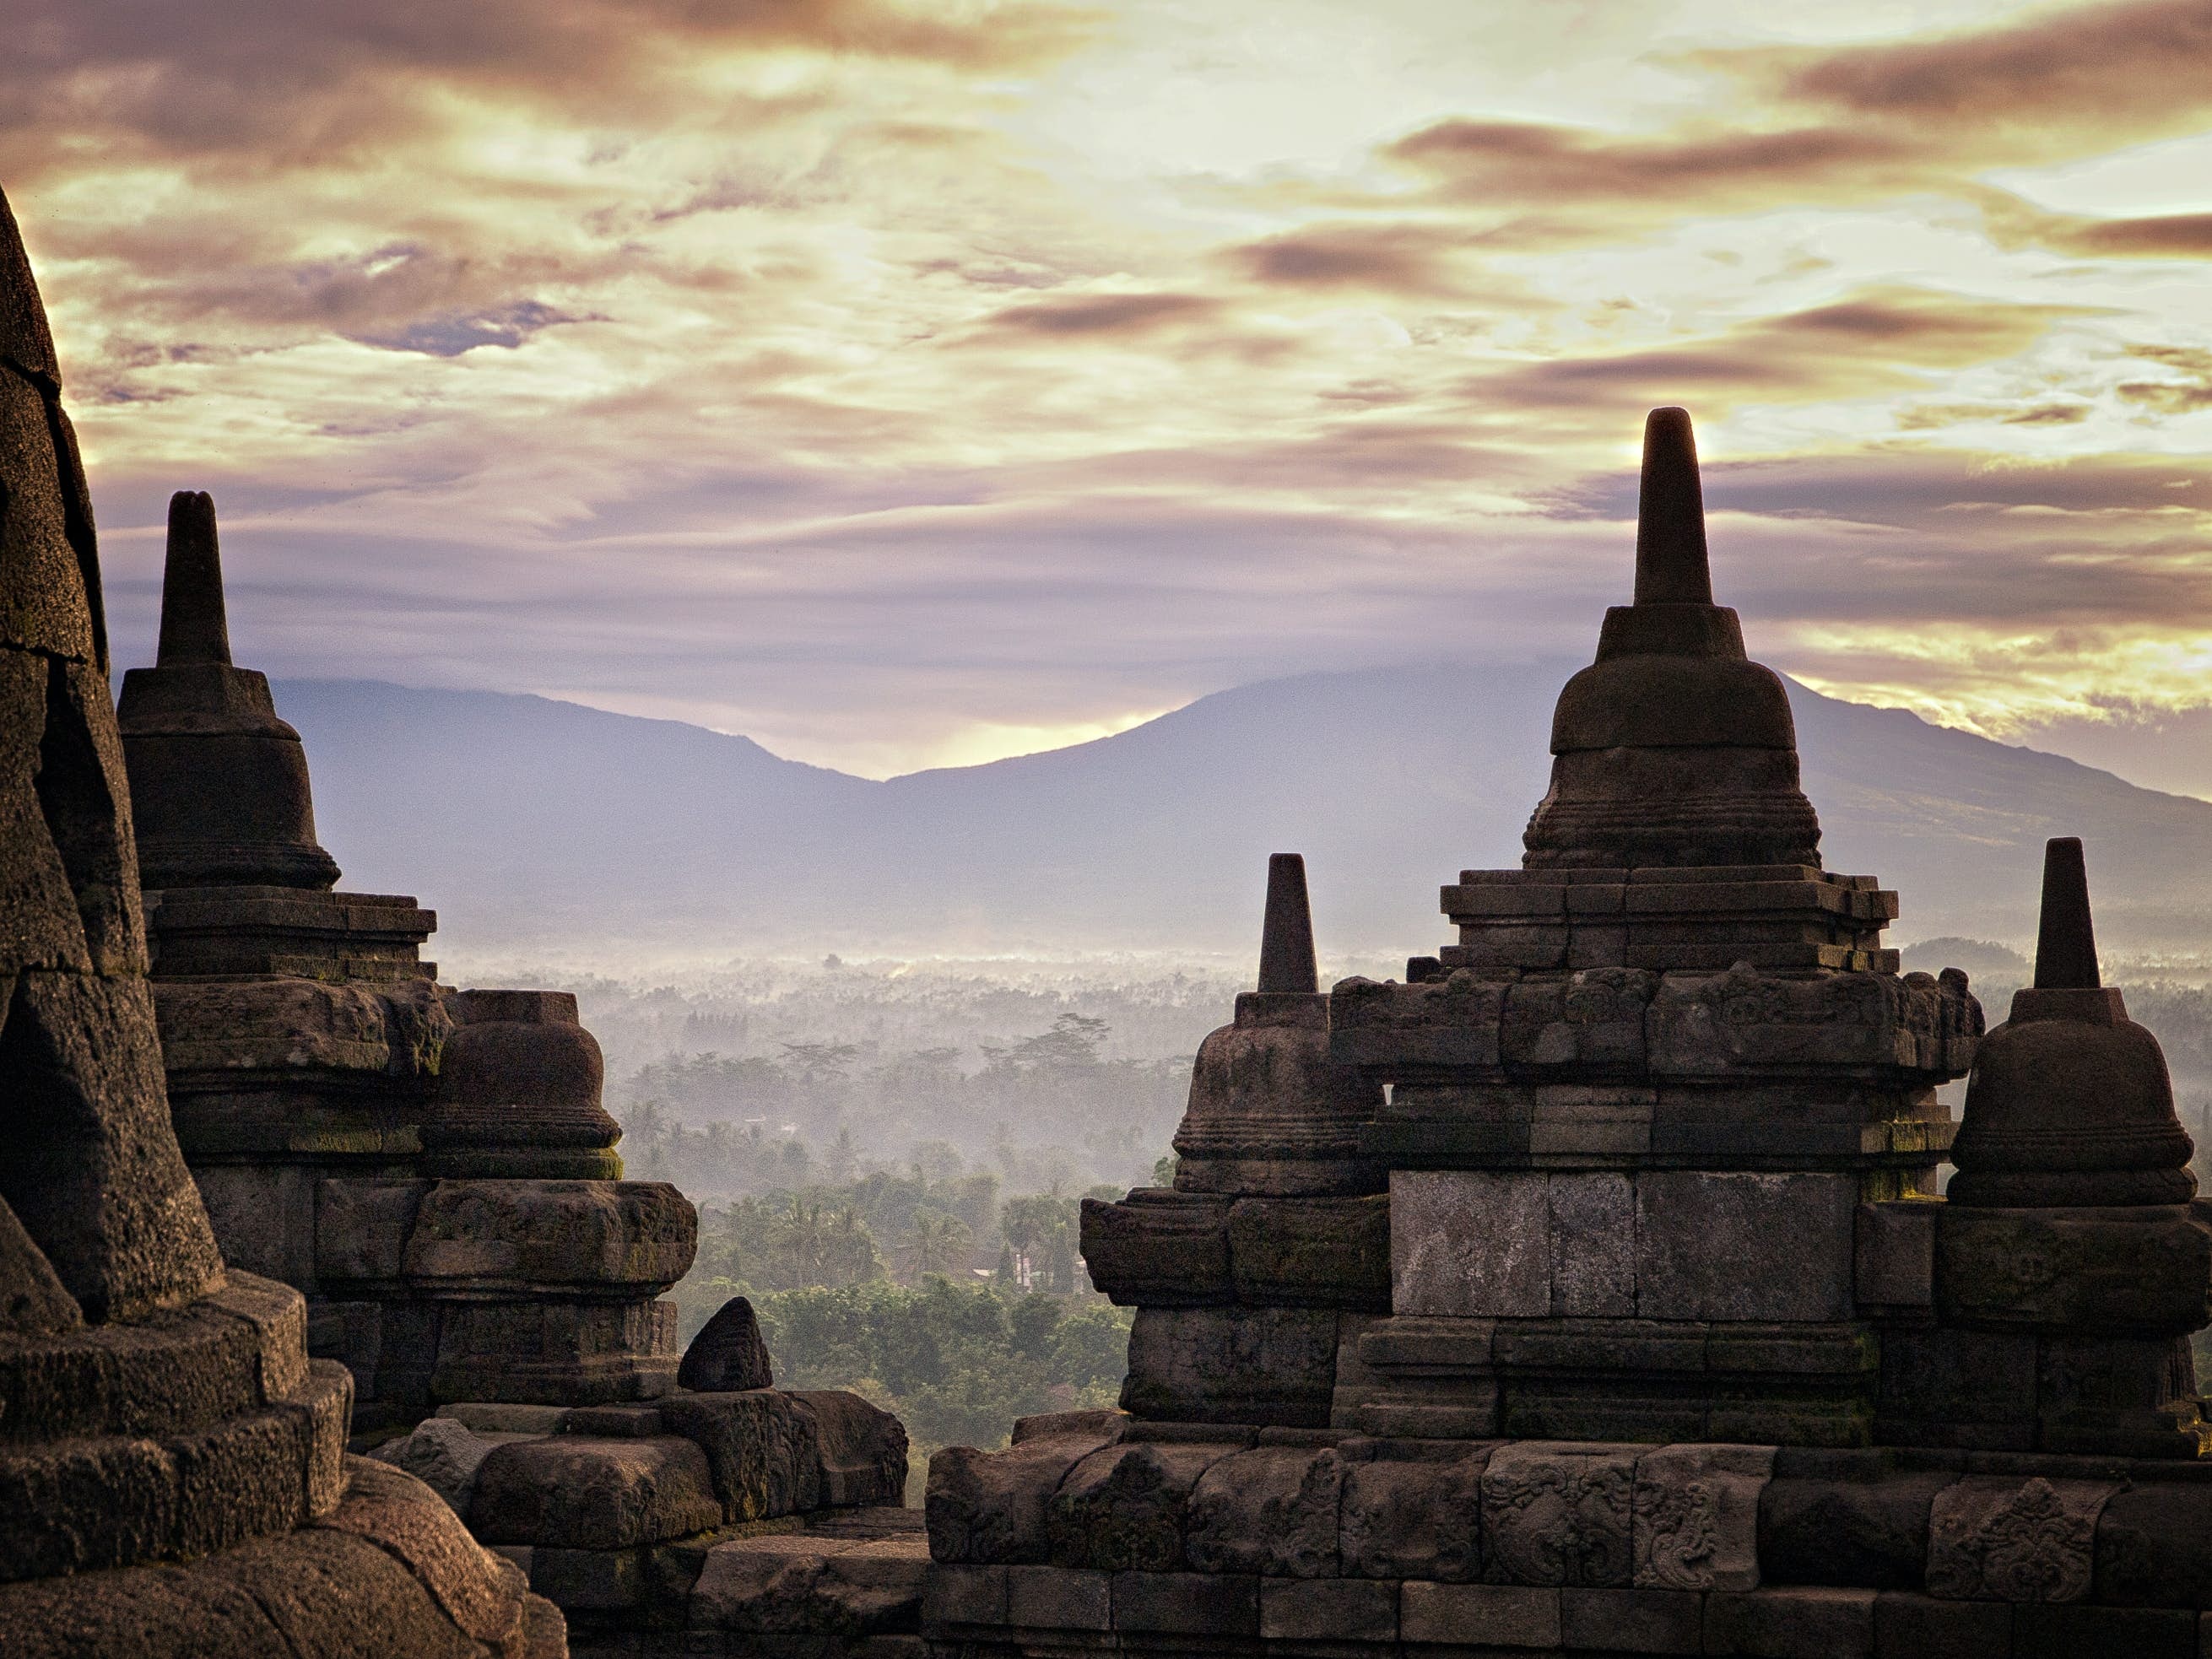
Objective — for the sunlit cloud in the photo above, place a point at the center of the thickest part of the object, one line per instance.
(904, 384)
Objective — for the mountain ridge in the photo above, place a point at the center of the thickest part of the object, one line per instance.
(531, 822)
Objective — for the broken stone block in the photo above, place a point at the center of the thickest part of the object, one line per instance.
(1414, 1516)
(728, 1355)
(582, 1493)
(1159, 1247)
(1558, 1512)
(1695, 1514)
(760, 1445)
(985, 1508)
(860, 1449)
(442, 1454)
(1272, 1510)
(2001, 1539)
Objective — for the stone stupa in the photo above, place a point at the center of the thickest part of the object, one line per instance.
(1668, 1343)
(172, 1470)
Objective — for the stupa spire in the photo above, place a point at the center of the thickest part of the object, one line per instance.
(194, 627)
(2066, 941)
(1671, 565)
(1286, 943)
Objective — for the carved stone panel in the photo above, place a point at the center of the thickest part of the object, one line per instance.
(1558, 1512)
(1697, 1517)
(1993, 1538)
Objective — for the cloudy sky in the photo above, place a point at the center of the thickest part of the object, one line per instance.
(904, 384)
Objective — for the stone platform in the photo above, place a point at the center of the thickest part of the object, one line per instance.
(1094, 1533)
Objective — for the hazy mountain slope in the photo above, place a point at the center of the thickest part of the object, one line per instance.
(527, 821)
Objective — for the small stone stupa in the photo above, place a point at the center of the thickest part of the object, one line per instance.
(1276, 1220)
(434, 1169)
(173, 1470)
(1674, 1348)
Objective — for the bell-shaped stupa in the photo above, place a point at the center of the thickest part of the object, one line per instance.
(1268, 1112)
(2070, 1103)
(218, 783)
(1672, 747)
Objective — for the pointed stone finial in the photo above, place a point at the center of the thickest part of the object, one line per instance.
(194, 627)
(1286, 946)
(2065, 942)
(1670, 519)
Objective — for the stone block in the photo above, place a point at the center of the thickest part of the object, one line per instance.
(534, 1234)
(1558, 1512)
(1895, 1264)
(1303, 1610)
(1479, 1615)
(1470, 1243)
(1271, 1511)
(1744, 1245)
(600, 1581)
(1870, 1530)
(1794, 1623)
(2155, 1546)
(1121, 1508)
(990, 1507)
(442, 1454)
(1997, 1538)
(583, 1494)
(2145, 1271)
(1413, 1517)
(1312, 1252)
(1696, 1513)
(952, 1594)
(761, 1446)
(1593, 1244)
(1912, 1626)
(1631, 1620)
(1262, 1365)
(2078, 1632)
(1059, 1598)
(860, 1449)
(1185, 1604)
(1159, 1247)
